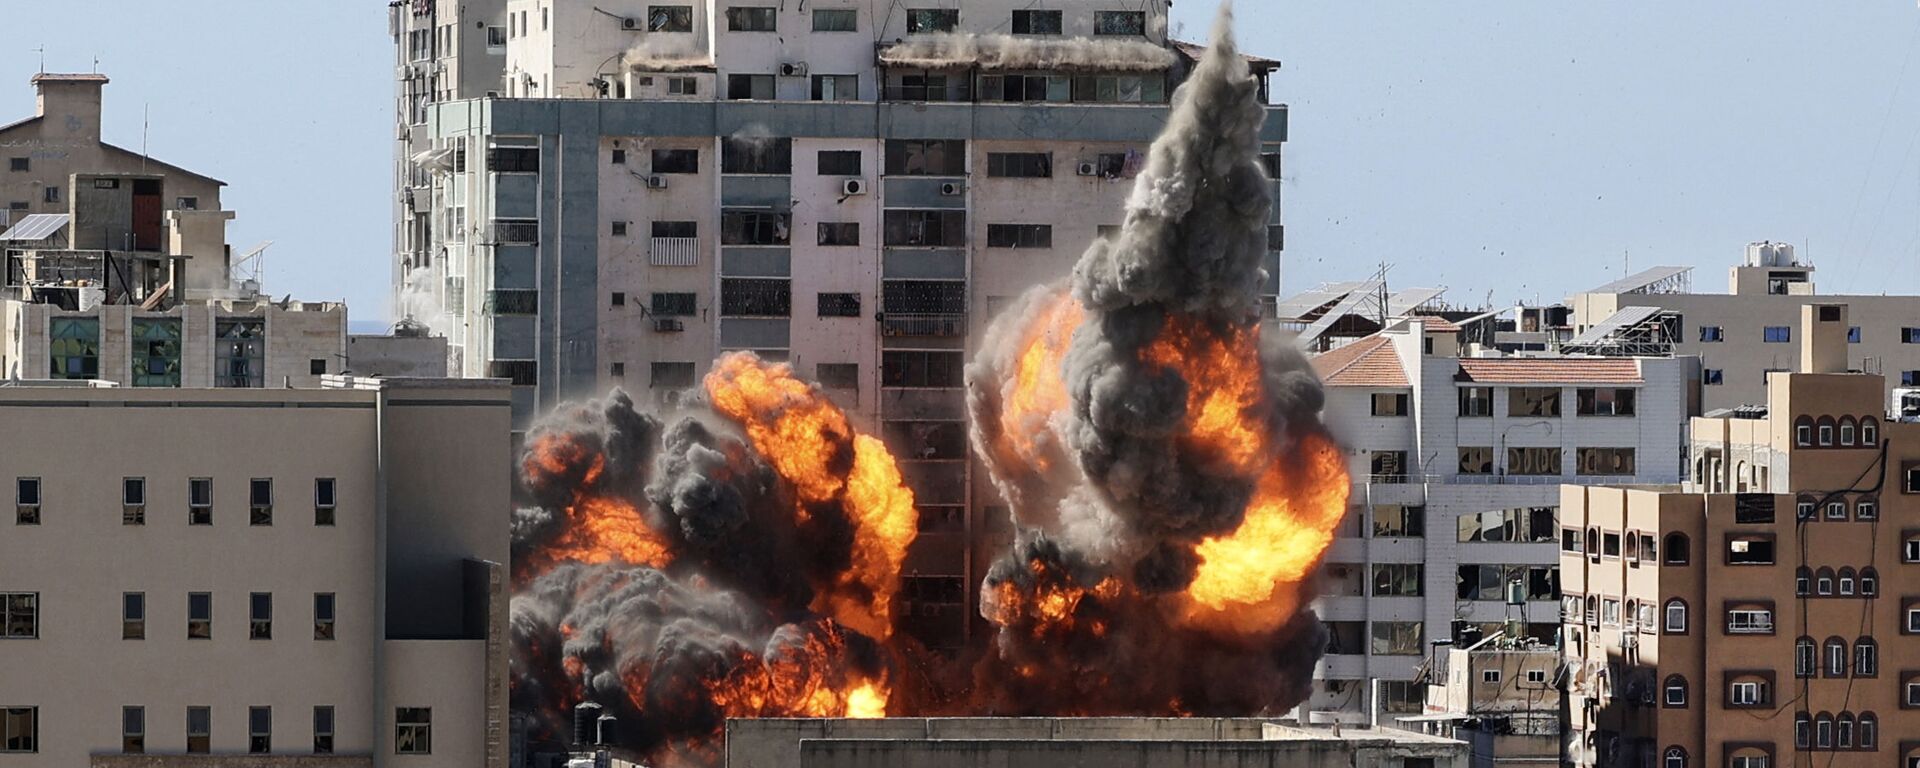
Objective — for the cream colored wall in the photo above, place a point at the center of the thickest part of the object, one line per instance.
(295, 336)
(56, 154)
(438, 674)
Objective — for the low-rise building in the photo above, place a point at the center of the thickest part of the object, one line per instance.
(194, 577)
(1742, 619)
(1501, 696)
(1457, 463)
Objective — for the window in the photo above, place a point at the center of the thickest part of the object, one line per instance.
(1866, 658)
(1605, 461)
(839, 233)
(413, 731)
(1909, 378)
(22, 164)
(1804, 664)
(1033, 23)
(923, 297)
(756, 297)
(926, 157)
(1476, 401)
(1869, 731)
(618, 229)
(921, 20)
(1533, 401)
(259, 730)
(943, 228)
(260, 501)
(750, 19)
(1747, 693)
(1778, 334)
(240, 353)
(1713, 377)
(1802, 581)
(1389, 404)
(745, 227)
(1606, 402)
(665, 161)
(496, 37)
(1846, 431)
(1398, 579)
(836, 20)
(1395, 520)
(1869, 582)
(839, 304)
(1389, 466)
(133, 616)
(73, 347)
(325, 497)
(1491, 676)
(1020, 165)
(1824, 428)
(200, 501)
(763, 155)
(1750, 621)
(1396, 638)
(669, 18)
(1835, 650)
(260, 616)
(199, 729)
(1749, 549)
(1476, 460)
(1869, 432)
(19, 729)
(1119, 22)
(1823, 731)
(1676, 618)
(1910, 335)
(199, 615)
(1675, 691)
(836, 87)
(133, 730)
(750, 87)
(51, 194)
(1533, 461)
(843, 376)
(323, 730)
(1570, 541)
(840, 162)
(19, 615)
(1019, 236)
(914, 369)
(673, 304)
(26, 499)
(670, 376)
(1910, 478)
(156, 352)
(1836, 510)
(1675, 757)
(676, 229)
(1521, 524)
(1711, 334)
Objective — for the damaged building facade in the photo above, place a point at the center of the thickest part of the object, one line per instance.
(856, 188)
(321, 580)
(117, 267)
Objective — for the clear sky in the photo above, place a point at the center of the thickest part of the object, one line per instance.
(1513, 146)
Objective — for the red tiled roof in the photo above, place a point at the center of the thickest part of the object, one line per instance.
(1550, 370)
(1437, 324)
(1369, 362)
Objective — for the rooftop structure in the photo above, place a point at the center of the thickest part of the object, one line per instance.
(1501, 695)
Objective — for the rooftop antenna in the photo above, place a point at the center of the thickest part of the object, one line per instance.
(145, 109)
(42, 50)
(96, 65)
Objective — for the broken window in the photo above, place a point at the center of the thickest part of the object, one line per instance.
(839, 304)
(924, 297)
(1396, 520)
(836, 87)
(675, 161)
(240, 353)
(1037, 22)
(1019, 236)
(926, 440)
(1533, 461)
(673, 304)
(1605, 402)
(944, 228)
(839, 233)
(413, 731)
(1605, 461)
(73, 347)
(756, 297)
(671, 376)
(742, 227)
(926, 157)
(156, 352)
(839, 162)
(1020, 165)
(843, 376)
(1397, 638)
(1119, 22)
(513, 159)
(921, 369)
(1476, 460)
(1346, 637)
(187, 203)
(750, 87)
(764, 155)
(1398, 579)
(921, 20)
(669, 18)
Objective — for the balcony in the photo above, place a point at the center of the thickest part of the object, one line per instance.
(674, 251)
(940, 325)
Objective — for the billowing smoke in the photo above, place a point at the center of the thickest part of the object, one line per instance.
(1162, 458)
(419, 302)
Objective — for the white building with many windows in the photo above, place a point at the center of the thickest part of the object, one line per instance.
(195, 577)
(1457, 465)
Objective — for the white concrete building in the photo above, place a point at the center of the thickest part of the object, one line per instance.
(1744, 334)
(215, 577)
(1457, 464)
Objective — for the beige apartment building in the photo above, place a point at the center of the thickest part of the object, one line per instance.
(317, 579)
(1758, 615)
(116, 267)
(1750, 331)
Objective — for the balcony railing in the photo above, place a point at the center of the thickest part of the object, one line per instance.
(949, 326)
(1458, 479)
(674, 251)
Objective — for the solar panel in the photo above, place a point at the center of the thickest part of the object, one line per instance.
(1404, 302)
(1625, 318)
(1641, 279)
(35, 227)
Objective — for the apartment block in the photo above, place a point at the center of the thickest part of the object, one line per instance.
(320, 581)
(1501, 696)
(117, 267)
(1457, 463)
(1751, 617)
(652, 185)
(1748, 333)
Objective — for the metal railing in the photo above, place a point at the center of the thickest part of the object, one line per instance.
(674, 251)
(1495, 479)
(949, 325)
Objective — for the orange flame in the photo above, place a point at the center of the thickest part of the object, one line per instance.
(1038, 388)
(1222, 371)
(801, 433)
(1287, 529)
(811, 681)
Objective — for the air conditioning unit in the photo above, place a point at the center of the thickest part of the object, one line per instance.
(793, 69)
(1087, 169)
(853, 187)
(668, 325)
(656, 182)
(631, 24)
(952, 189)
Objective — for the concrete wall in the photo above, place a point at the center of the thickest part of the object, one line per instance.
(68, 142)
(419, 356)
(296, 337)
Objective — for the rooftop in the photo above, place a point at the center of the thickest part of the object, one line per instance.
(1369, 362)
(1550, 370)
(56, 77)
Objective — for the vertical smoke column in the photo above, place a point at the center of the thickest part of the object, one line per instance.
(1164, 460)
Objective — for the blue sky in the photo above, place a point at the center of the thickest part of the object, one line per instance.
(1512, 146)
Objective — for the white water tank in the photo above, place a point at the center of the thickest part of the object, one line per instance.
(1770, 254)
